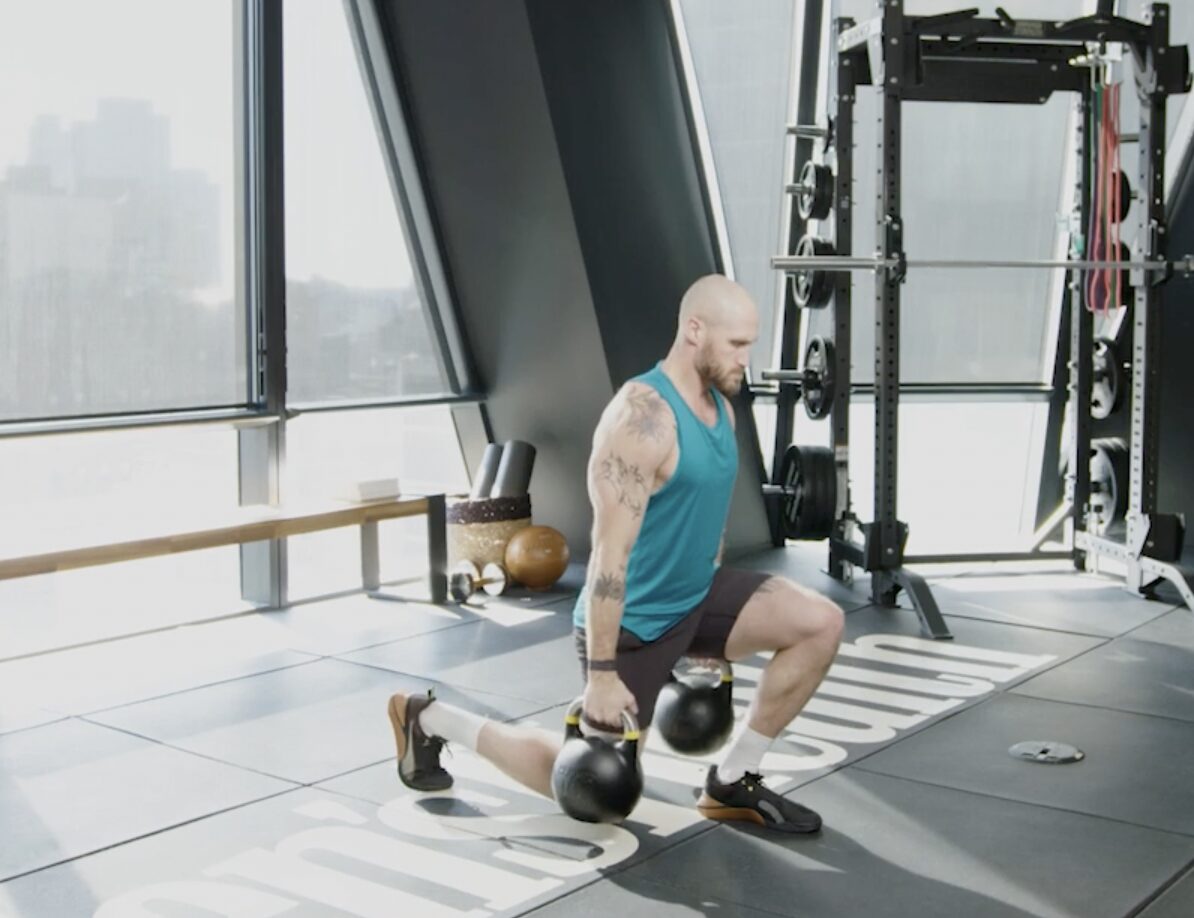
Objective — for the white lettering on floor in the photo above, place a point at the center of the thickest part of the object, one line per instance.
(515, 856)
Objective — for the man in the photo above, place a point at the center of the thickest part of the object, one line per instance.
(660, 479)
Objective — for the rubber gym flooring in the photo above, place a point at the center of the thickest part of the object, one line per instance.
(245, 767)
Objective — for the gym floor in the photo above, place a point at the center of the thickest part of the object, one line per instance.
(245, 767)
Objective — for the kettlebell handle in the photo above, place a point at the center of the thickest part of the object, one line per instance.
(572, 723)
(727, 672)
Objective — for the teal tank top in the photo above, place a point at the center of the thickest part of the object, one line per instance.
(672, 563)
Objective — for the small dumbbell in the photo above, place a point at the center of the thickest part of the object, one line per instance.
(466, 579)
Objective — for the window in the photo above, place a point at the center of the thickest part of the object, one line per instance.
(356, 325)
(117, 236)
(327, 452)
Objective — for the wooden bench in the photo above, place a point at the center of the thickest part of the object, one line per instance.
(49, 551)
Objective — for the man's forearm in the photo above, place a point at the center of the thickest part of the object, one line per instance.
(606, 603)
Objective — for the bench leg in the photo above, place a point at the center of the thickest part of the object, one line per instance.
(437, 547)
(370, 557)
(437, 554)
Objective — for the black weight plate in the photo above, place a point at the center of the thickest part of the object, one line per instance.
(813, 288)
(818, 358)
(809, 478)
(815, 201)
(1125, 197)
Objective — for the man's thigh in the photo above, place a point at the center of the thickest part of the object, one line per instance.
(731, 595)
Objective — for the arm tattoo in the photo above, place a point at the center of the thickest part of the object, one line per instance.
(609, 586)
(648, 416)
(628, 482)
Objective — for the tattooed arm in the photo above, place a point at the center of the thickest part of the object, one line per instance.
(631, 448)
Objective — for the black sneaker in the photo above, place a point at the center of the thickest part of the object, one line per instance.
(750, 799)
(418, 753)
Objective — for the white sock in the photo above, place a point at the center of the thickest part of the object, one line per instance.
(745, 754)
(453, 724)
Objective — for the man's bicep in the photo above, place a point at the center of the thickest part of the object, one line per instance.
(622, 474)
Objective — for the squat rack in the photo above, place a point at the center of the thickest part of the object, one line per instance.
(960, 57)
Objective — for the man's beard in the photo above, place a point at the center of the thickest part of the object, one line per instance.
(727, 382)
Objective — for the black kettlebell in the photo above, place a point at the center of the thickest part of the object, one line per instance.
(594, 780)
(696, 717)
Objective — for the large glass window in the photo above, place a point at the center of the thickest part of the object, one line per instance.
(743, 71)
(117, 208)
(356, 325)
(327, 452)
(74, 488)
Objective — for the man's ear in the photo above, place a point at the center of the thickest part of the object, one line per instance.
(694, 330)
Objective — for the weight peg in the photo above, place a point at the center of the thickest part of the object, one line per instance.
(817, 388)
(466, 580)
(814, 192)
(812, 287)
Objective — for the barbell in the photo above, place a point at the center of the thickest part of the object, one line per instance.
(824, 261)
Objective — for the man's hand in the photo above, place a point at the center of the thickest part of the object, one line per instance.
(606, 697)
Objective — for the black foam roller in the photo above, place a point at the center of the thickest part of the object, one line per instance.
(486, 472)
(514, 471)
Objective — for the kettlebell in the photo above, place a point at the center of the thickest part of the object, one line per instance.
(594, 780)
(696, 717)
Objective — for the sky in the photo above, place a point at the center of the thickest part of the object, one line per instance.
(60, 56)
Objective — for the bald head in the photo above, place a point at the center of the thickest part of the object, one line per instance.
(717, 326)
(717, 301)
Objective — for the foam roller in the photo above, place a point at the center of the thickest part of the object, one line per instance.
(514, 471)
(486, 471)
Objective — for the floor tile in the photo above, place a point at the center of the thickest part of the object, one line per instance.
(479, 851)
(1075, 602)
(81, 680)
(806, 565)
(1175, 629)
(303, 724)
(1136, 767)
(71, 787)
(1175, 902)
(892, 848)
(535, 661)
(1125, 675)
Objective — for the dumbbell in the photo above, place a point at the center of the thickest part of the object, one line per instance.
(466, 580)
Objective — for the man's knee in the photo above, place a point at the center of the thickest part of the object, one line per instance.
(811, 616)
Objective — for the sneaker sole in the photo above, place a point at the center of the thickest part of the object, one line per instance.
(398, 724)
(711, 809)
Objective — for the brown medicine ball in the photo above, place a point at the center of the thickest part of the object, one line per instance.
(537, 556)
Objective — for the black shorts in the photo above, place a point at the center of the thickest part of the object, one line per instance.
(644, 666)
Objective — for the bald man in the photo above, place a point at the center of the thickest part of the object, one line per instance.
(660, 478)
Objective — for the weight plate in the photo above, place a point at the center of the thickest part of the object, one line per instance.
(1108, 484)
(1125, 197)
(808, 476)
(1047, 752)
(1106, 395)
(494, 576)
(817, 389)
(813, 288)
(815, 200)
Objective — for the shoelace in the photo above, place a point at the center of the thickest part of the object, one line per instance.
(437, 745)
